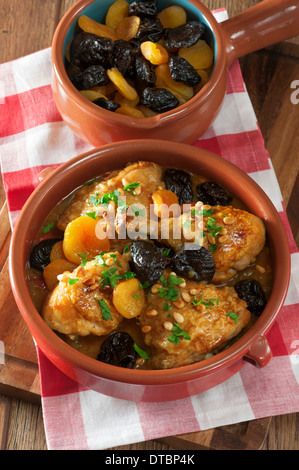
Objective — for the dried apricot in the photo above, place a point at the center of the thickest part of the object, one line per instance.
(57, 251)
(119, 98)
(128, 298)
(92, 95)
(121, 84)
(127, 28)
(80, 237)
(204, 78)
(172, 16)
(116, 12)
(163, 200)
(154, 52)
(164, 79)
(130, 111)
(91, 26)
(200, 55)
(56, 267)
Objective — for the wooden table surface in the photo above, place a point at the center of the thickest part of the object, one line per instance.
(26, 27)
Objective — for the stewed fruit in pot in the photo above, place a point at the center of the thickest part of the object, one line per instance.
(141, 60)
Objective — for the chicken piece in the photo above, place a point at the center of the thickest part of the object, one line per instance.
(79, 305)
(202, 319)
(147, 174)
(234, 236)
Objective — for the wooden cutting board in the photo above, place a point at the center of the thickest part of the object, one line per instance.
(19, 374)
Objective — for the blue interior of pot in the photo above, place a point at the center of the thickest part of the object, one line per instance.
(98, 9)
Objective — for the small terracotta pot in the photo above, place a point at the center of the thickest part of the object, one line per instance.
(266, 23)
(139, 385)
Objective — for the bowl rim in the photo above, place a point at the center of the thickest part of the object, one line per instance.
(58, 348)
(101, 113)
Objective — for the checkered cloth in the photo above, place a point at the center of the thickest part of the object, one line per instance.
(33, 137)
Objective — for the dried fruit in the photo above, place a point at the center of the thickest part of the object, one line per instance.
(121, 84)
(144, 9)
(80, 237)
(107, 104)
(40, 254)
(128, 298)
(145, 73)
(163, 200)
(123, 57)
(182, 71)
(253, 294)
(194, 262)
(129, 111)
(127, 28)
(159, 99)
(179, 182)
(172, 17)
(116, 12)
(183, 36)
(150, 29)
(213, 194)
(148, 261)
(90, 26)
(95, 75)
(154, 52)
(200, 55)
(92, 95)
(57, 251)
(165, 80)
(56, 267)
(118, 350)
(89, 49)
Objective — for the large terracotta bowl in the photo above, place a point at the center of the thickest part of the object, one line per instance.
(266, 23)
(140, 385)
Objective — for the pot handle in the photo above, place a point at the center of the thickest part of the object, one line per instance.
(262, 25)
(259, 353)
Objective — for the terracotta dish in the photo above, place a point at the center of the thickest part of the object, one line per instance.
(149, 385)
(266, 23)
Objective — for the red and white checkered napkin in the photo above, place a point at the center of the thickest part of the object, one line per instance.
(32, 137)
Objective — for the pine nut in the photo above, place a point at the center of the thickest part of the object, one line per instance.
(146, 329)
(194, 291)
(260, 268)
(178, 317)
(186, 297)
(179, 303)
(228, 220)
(154, 289)
(152, 313)
(168, 325)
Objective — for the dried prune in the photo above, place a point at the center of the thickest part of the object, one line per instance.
(40, 254)
(213, 194)
(89, 49)
(118, 350)
(253, 294)
(148, 261)
(184, 35)
(158, 99)
(182, 71)
(95, 75)
(144, 9)
(150, 29)
(107, 104)
(194, 262)
(179, 182)
(145, 74)
(123, 57)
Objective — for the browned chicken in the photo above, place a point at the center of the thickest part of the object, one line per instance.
(235, 237)
(202, 319)
(77, 306)
(146, 174)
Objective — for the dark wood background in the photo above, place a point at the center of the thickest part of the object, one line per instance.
(28, 26)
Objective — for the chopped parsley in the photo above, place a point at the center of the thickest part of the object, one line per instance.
(130, 187)
(166, 307)
(126, 249)
(105, 199)
(213, 248)
(111, 276)
(202, 212)
(212, 227)
(72, 281)
(106, 311)
(177, 334)
(208, 303)
(234, 316)
(166, 252)
(92, 215)
(48, 227)
(140, 351)
(138, 212)
(168, 291)
(84, 258)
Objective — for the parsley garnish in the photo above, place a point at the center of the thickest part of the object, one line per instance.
(130, 187)
(126, 248)
(92, 215)
(111, 277)
(48, 227)
(138, 212)
(203, 212)
(140, 351)
(84, 258)
(212, 227)
(72, 281)
(234, 316)
(105, 199)
(105, 309)
(207, 303)
(166, 307)
(213, 248)
(177, 333)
